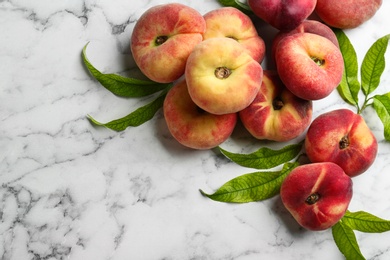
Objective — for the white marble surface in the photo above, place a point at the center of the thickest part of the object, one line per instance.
(70, 190)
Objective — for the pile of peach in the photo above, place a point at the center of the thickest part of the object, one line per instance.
(214, 61)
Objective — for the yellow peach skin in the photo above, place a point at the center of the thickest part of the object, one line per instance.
(191, 126)
(222, 77)
(163, 38)
(232, 23)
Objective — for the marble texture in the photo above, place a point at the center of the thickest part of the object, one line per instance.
(70, 190)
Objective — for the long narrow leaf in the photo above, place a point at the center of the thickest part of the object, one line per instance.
(346, 242)
(382, 108)
(349, 86)
(366, 222)
(237, 4)
(123, 86)
(252, 186)
(265, 158)
(136, 118)
(373, 65)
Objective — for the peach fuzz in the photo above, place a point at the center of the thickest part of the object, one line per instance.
(276, 114)
(232, 23)
(284, 15)
(222, 77)
(343, 137)
(317, 195)
(308, 26)
(346, 14)
(163, 38)
(310, 65)
(191, 126)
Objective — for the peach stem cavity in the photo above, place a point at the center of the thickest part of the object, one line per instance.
(160, 40)
(222, 72)
(312, 199)
(318, 61)
(277, 103)
(344, 142)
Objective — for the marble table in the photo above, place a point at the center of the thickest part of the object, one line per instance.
(70, 190)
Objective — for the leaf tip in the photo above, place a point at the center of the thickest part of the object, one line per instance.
(93, 121)
(204, 193)
(85, 48)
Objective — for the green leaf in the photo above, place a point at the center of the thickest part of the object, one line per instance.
(122, 86)
(345, 240)
(349, 86)
(265, 158)
(382, 108)
(366, 222)
(252, 186)
(136, 118)
(237, 4)
(373, 65)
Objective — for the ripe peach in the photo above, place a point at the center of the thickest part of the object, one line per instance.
(163, 38)
(284, 15)
(192, 126)
(310, 65)
(232, 23)
(343, 137)
(346, 14)
(276, 114)
(222, 77)
(317, 195)
(308, 26)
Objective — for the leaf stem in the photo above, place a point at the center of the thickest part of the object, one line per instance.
(365, 104)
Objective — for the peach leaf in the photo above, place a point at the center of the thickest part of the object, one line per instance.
(135, 118)
(373, 65)
(252, 187)
(366, 222)
(243, 7)
(123, 86)
(264, 158)
(349, 86)
(346, 242)
(382, 107)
